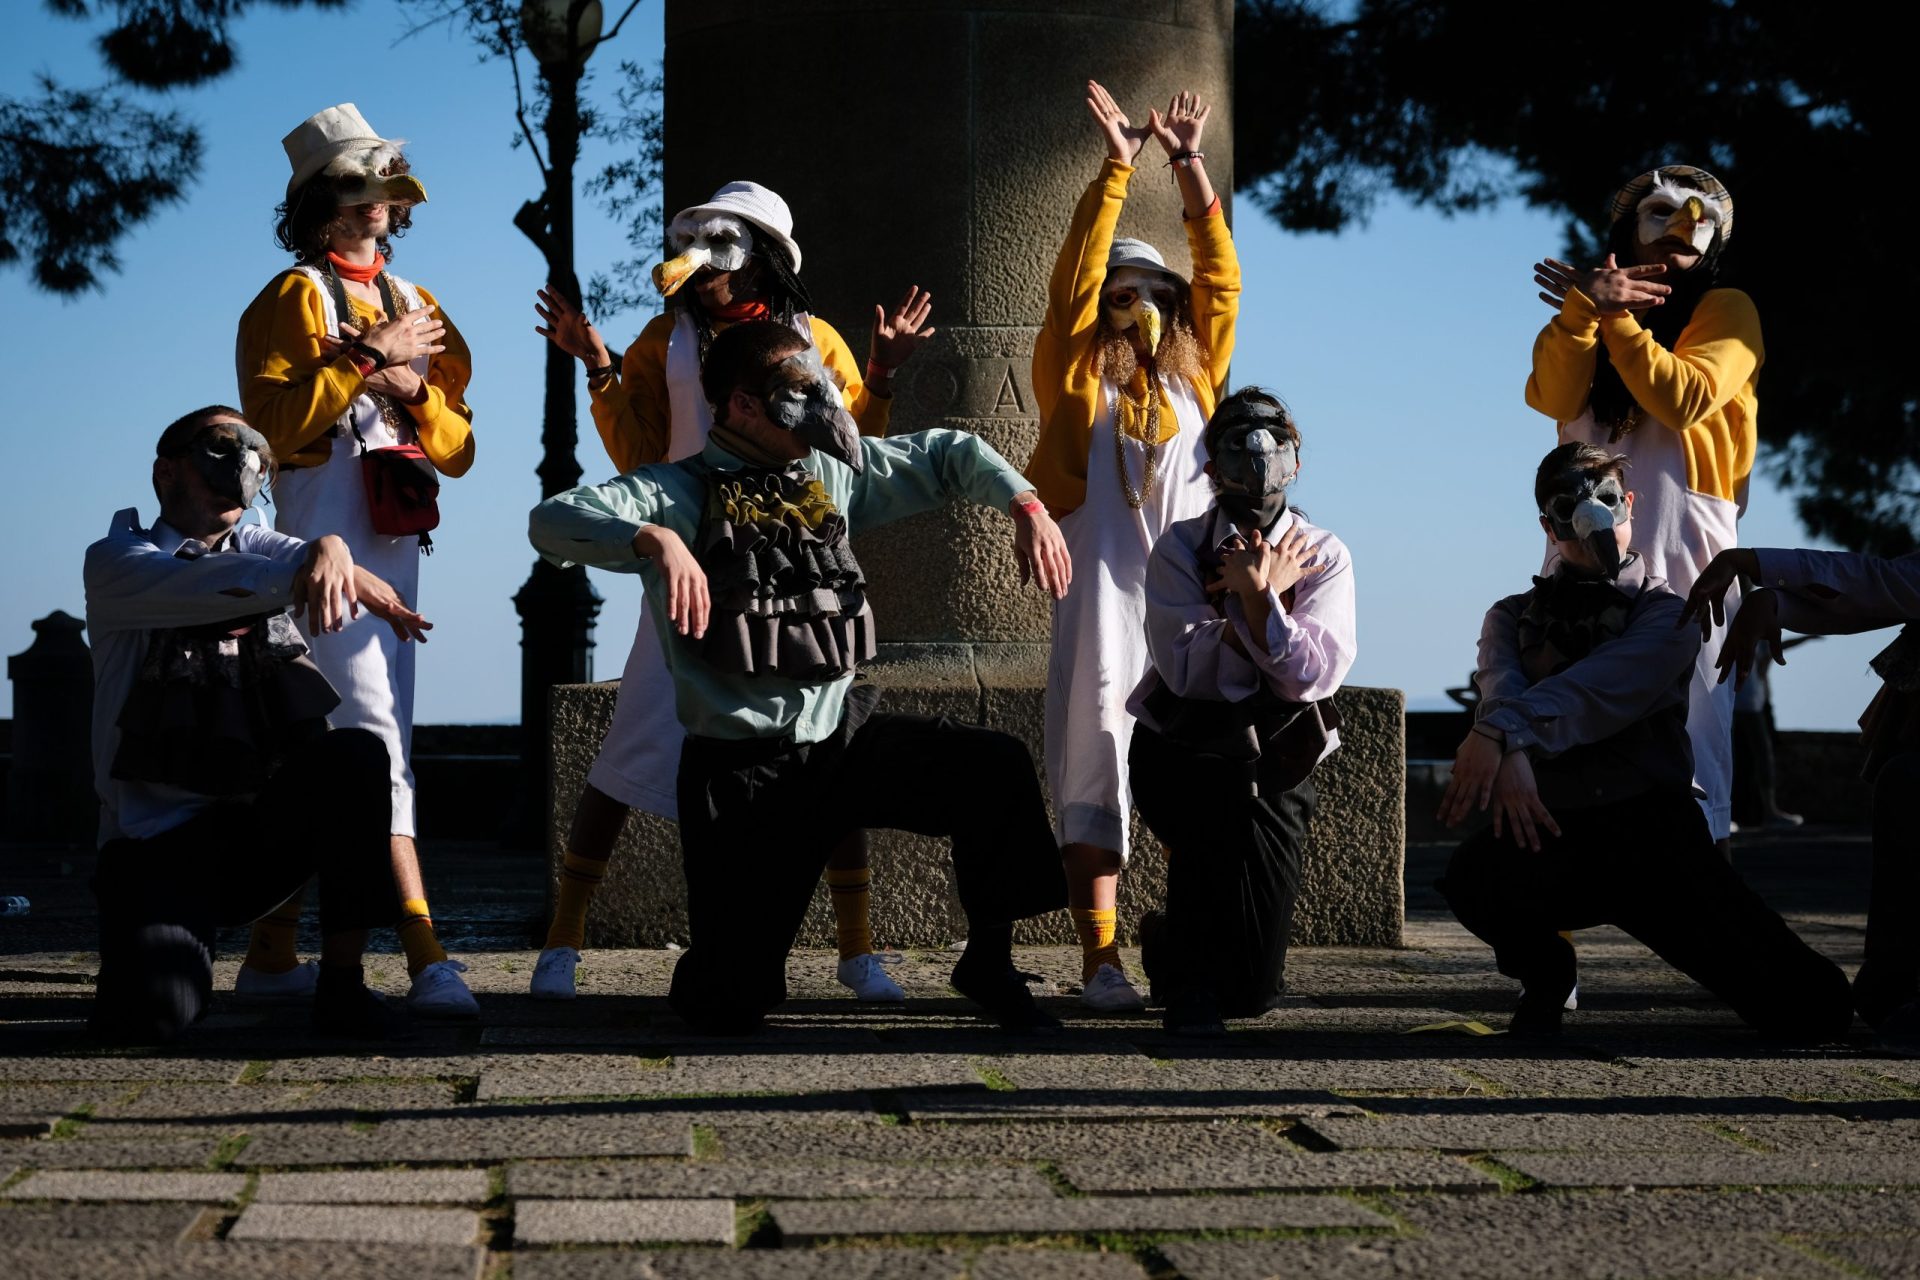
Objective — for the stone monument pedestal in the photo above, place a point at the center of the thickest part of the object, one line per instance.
(1352, 894)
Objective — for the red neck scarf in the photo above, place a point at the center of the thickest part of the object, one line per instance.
(736, 312)
(354, 271)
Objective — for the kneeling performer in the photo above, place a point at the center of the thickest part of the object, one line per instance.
(749, 574)
(1580, 746)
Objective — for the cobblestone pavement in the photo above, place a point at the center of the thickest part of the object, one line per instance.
(603, 1139)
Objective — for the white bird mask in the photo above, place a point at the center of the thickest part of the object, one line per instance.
(717, 240)
(1676, 209)
(1138, 296)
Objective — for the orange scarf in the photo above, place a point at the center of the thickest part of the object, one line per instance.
(354, 271)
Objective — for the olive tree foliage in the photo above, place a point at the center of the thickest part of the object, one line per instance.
(620, 112)
(81, 167)
(1802, 110)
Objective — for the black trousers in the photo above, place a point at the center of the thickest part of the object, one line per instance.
(1233, 873)
(1891, 975)
(324, 813)
(759, 818)
(1649, 866)
(1753, 785)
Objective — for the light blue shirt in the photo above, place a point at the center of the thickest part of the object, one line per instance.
(904, 476)
(140, 581)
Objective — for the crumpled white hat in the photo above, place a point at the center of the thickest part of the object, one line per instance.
(756, 204)
(1128, 252)
(328, 135)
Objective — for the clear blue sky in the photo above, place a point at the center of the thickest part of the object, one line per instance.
(1402, 347)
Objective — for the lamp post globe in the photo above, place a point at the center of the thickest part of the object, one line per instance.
(543, 25)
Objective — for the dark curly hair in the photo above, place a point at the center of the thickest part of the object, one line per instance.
(306, 220)
(770, 273)
(1613, 405)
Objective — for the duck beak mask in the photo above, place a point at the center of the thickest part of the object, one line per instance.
(363, 177)
(1588, 509)
(716, 240)
(801, 396)
(1134, 297)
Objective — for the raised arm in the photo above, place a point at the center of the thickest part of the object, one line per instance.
(1716, 355)
(1623, 680)
(1216, 268)
(908, 474)
(870, 411)
(596, 524)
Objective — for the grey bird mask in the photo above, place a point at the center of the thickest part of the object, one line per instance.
(802, 397)
(1253, 465)
(1586, 508)
(232, 458)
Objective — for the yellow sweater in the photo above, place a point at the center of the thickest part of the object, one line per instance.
(292, 394)
(1703, 388)
(631, 408)
(1066, 378)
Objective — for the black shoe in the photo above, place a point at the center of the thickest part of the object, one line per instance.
(1899, 1031)
(1004, 997)
(1537, 1017)
(1196, 1017)
(344, 1008)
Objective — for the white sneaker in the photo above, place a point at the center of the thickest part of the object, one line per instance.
(439, 992)
(295, 986)
(1573, 998)
(553, 974)
(1109, 991)
(867, 980)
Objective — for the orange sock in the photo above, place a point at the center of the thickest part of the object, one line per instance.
(416, 936)
(579, 877)
(850, 891)
(273, 948)
(1097, 947)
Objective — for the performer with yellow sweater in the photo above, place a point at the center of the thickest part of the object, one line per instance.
(1656, 360)
(1126, 370)
(340, 359)
(737, 259)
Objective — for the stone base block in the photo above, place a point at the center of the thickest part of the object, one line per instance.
(1351, 897)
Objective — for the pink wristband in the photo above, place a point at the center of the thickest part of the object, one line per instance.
(1032, 506)
(876, 372)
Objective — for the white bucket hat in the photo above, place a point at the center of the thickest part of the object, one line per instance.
(1127, 252)
(756, 204)
(339, 140)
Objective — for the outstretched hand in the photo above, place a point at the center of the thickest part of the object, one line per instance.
(1180, 128)
(1707, 602)
(382, 601)
(1040, 547)
(688, 603)
(568, 328)
(1124, 140)
(897, 336)
(1757, 624)
(1615, 290)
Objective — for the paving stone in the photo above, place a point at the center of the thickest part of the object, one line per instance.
(389, 1066)
(747, 1264)
(1889, 1257)
(1463, 1258)
(414, 1186)
(1095, 1104)
(1252, 1075)
(1515, 1223)
(207, 1188)
(216, 1103)
(1152, 1141)
(794, 1180)
(801, 1221)
(1537, 1132)
(1075, 1071)
(365, 1223)
(31, 1110)
(1736, 1169)
(733, 1073)
(1791, 1137)
(623, 1221)
(1119, 1172)
(1746, 1077)
(667, 1039)
(115, 1067)
(1052, 1264)
(21, 1224)
(1550, 1077)
(116, 1153)
(241, 1260)
(443, 1141)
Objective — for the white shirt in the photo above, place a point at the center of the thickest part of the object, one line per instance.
(140, 581)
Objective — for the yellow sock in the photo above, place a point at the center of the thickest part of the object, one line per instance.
(271, 949)
(579, 877)
(416, 936)
(848, 890)
(1097, 946)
